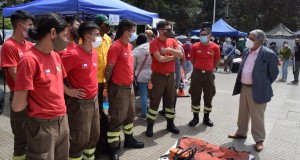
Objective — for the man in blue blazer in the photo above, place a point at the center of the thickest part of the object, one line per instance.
(257, 72)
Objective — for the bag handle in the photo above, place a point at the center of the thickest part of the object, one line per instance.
(191, 151)
(142, 66)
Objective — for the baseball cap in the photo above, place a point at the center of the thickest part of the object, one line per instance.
(101, 18)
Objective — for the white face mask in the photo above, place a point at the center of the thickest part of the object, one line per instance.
(285, 45)
(97, 43)
(249, 43)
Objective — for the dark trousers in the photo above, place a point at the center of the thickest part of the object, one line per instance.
(121, 110)
(84, 126)
(17, 120)
(163, 87)
(47, 140)
(202, 81)
(102, 146)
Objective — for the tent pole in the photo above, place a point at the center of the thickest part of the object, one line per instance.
(2, 29)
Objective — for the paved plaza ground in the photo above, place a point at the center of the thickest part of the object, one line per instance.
(282, 119)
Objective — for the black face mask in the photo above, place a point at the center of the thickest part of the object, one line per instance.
(167, 34)
(59, 44)
(297, 43)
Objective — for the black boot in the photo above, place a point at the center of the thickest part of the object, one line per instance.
(195, 120)
(130, 142)
(149, 131)
(114, 154)
(171, 127)
(162, 112)
(207, 121)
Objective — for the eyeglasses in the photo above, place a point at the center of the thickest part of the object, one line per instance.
(203, 34)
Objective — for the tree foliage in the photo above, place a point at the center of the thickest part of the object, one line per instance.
(245, 15)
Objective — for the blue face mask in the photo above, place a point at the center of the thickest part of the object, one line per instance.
(133, 37)
(203, 39)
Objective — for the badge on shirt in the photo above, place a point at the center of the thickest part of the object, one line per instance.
(58, 68)
(125, 54)
(20, 54)
(47, 72)
(84, 66)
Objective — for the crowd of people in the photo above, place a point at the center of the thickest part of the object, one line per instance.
(59, 84)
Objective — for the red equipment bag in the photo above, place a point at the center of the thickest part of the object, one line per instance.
(208, 151)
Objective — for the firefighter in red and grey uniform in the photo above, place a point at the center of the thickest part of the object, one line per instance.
(83, 110)
(205, 56)
(119, 76)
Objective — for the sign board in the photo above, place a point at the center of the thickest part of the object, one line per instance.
(114, 19)
(155, 21)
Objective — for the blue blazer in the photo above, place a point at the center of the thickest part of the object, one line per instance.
(264, 73)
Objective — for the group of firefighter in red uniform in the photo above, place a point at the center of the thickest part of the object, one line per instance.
(50, 125)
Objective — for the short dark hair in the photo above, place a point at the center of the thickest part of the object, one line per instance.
(18, 16)
(162, 24)
(86, 28)
(124, 25)
(71, 20)
(45, 24)
(141, 39)
(208, 30)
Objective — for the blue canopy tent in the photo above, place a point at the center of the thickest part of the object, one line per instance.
(91, 7)
(221, 28)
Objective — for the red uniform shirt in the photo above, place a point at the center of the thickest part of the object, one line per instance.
(81, 68)
(42, 75)
(121, 55)
(187, 51)
(205, 56)
(155, 46)
(70, 46)
(11, 53)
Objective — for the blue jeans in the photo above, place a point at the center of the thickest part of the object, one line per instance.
(284, 69)
(187, 66)
(143, 91)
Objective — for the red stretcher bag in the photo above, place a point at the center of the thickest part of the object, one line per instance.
(208, 151)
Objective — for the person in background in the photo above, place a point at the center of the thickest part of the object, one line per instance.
(142, 63)
(187, 64)
(205, 57)
(296, 65)
(40, 73)
(119, 76)
(163, 51)
(257, 73)
(285, 53)
(104, 25)
(149, 34)
(12, 50)
(229, 56)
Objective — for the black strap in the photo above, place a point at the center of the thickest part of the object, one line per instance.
(142, 66)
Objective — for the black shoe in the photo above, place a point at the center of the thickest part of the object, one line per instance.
(171, 127)
(114, 155)
(295, 81)
(130, 142)
(149, 131)
(194, 122)
(207, 121)
(162, 112)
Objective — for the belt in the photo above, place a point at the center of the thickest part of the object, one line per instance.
(49, 121)
(202, 71)
(169, 74)
(87, 101)
(122, 86)
(247, 85)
